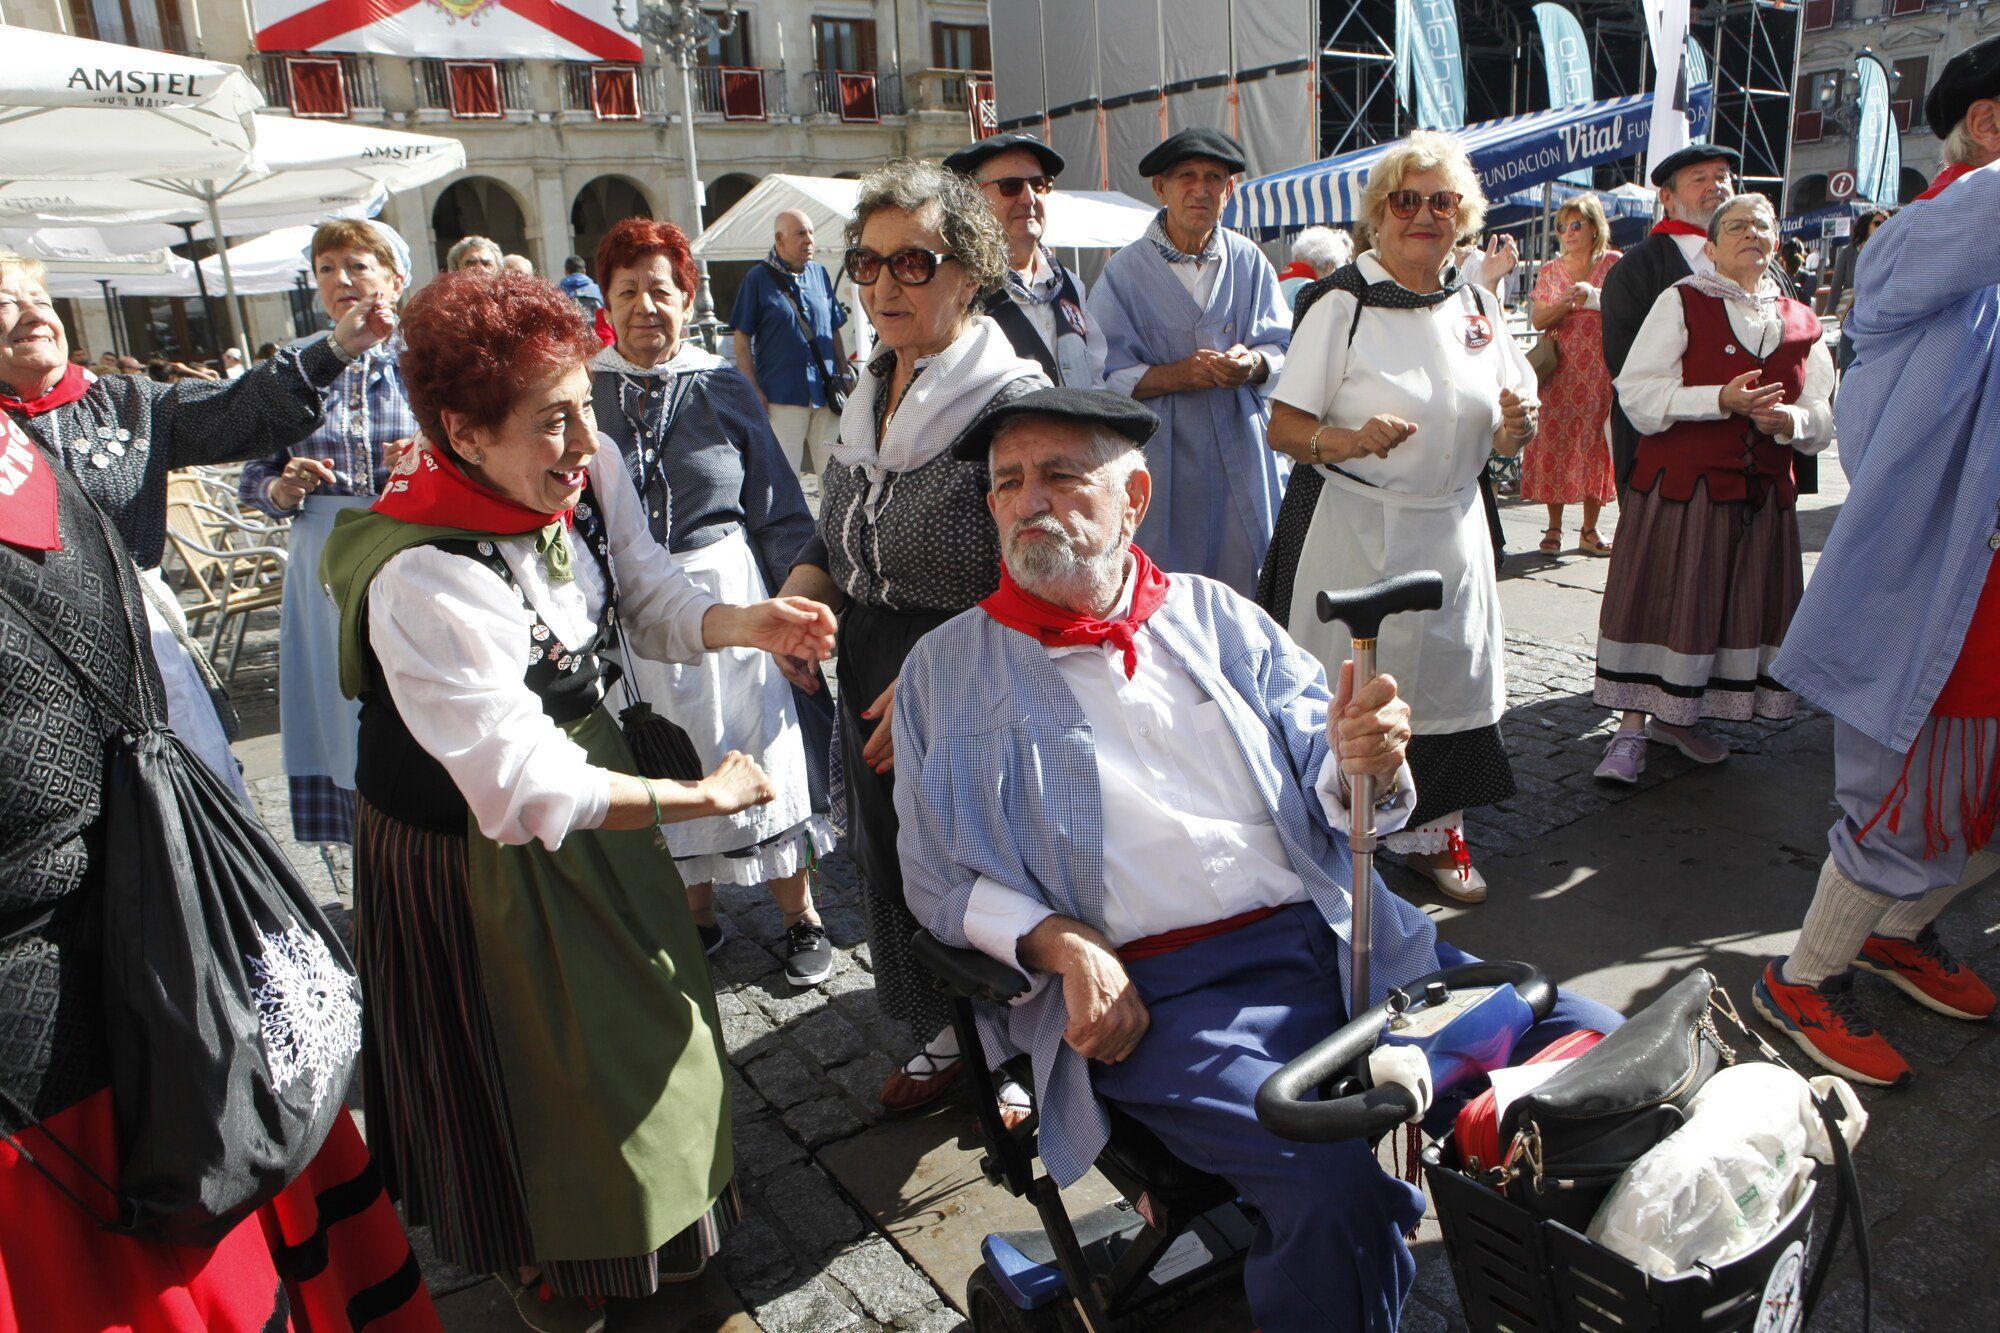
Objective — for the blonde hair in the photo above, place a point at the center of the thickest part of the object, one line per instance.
(353, 234)
(31, 269)
(1586, 207)
(1426, 150)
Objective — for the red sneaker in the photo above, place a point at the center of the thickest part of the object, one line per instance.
(1827, 1023)
(1924, 970)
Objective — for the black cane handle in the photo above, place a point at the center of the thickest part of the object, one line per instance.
(1364, 609)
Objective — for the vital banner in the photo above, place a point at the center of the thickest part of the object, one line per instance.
(1566, 57)
(448, 29)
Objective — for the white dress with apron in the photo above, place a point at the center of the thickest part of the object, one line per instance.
(733, 699)
(1419, 508)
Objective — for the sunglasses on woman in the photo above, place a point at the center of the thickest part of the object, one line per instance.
(1405, 203)
(1574, 224)
(912, 267)
(1010, 187)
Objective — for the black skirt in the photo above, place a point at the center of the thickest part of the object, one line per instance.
(873, 644)
(1458, 770)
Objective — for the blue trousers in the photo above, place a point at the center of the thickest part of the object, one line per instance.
(1227, 1012)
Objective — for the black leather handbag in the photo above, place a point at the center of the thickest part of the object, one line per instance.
(1572, 1137)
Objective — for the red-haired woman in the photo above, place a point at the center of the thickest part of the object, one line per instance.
(717, 492)
(545, 1071)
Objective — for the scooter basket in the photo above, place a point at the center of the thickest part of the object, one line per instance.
(1519, 1274)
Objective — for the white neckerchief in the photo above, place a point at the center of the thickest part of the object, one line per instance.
(939, 405)
(688, 357)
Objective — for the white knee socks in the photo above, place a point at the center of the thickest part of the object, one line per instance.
(1842, 916)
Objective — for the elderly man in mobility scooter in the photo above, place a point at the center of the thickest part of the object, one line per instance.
(1130, 788)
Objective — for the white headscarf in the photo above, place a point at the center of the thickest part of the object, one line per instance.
(955, 387)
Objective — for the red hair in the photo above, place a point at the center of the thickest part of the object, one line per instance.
(633, 241)
(472, 342)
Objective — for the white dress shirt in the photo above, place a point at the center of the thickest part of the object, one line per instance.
(1187, 839)
(1694, 250)
(1653, 396)
(452, 642)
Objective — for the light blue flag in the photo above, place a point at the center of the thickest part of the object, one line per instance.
(1566, 56)
(1430, 69)
(1696, 69)
(1878, 150)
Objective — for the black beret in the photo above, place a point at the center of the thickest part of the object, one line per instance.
(967, 159)
(1197, 142)
(1096, 407)
(1663, 175)
(1970, 76)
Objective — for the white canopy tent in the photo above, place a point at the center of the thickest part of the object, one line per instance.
(1078, 219)
(66, 250)
(75, 109)
(264, 266)
(302, 169)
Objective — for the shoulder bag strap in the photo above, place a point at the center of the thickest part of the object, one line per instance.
(792, 293)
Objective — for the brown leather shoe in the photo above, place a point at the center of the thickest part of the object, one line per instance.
(901, 1092)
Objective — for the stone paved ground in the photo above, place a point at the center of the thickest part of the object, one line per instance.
(807, 1064)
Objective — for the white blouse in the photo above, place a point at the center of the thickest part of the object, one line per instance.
(453, 643)
(1442, 368)
(1651, 392)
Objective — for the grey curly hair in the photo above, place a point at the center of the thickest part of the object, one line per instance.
(941, 199)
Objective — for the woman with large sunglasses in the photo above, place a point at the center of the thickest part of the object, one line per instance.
(1402, 378)
(905, 541)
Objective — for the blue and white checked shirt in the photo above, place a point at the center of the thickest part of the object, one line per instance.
(1886, 613)
(365, 410)
(997, 776)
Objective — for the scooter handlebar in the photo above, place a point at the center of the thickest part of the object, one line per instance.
(1283, 1109)
(1364, 609)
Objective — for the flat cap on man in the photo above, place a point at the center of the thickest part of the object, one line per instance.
(1663, 175)
(1973, 75)
(967, 159)
(1092, 407)
(1196, 142)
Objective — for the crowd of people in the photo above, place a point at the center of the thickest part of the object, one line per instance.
(551, 661)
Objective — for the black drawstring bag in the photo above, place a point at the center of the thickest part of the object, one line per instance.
(231, 1012)
(660, 748)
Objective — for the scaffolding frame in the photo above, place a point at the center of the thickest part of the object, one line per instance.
(1755, 64)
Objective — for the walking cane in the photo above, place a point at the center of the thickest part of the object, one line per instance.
(1363, 610)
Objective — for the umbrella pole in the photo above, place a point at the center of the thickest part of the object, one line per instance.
(228, 278)
(111, 314)
(215, 329)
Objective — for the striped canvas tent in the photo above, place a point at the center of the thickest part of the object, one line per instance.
(1511, 154)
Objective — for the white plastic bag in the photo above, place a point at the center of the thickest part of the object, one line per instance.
(1718, 1185)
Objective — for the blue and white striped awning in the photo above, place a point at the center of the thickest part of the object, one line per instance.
(1511, 154)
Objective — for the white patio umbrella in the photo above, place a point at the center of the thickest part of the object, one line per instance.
(88, 250)
(71, 108)
(302, 168)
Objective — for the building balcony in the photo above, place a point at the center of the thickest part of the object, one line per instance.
(853, 97)
(318, 86)
(946, 89)
(471, 90)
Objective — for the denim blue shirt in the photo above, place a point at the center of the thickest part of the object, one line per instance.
(787, 371)
(1885, 616)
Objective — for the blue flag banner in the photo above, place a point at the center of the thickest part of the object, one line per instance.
(1878, 150)
(1430, 70)
(1511, 154)
(1566, 57)
(1696, 70)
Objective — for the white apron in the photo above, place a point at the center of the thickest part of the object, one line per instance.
(1446, 662)
(733, 699)
(1442, 368)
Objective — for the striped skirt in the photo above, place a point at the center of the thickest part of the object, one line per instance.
(1698, 598)
(432, 1086)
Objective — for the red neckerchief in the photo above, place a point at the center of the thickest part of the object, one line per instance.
(28, 516)
(1060, 627)
(68, 389)
(426, 490)
(1952, 171)
(1675, 227)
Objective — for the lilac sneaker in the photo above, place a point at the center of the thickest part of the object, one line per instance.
(1693, 742)
(1624, 759)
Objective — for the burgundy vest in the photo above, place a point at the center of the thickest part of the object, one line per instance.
(1738, 461)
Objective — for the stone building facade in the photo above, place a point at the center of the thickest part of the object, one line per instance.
(810, 87)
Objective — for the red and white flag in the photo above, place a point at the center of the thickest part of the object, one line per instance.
(448, 29)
